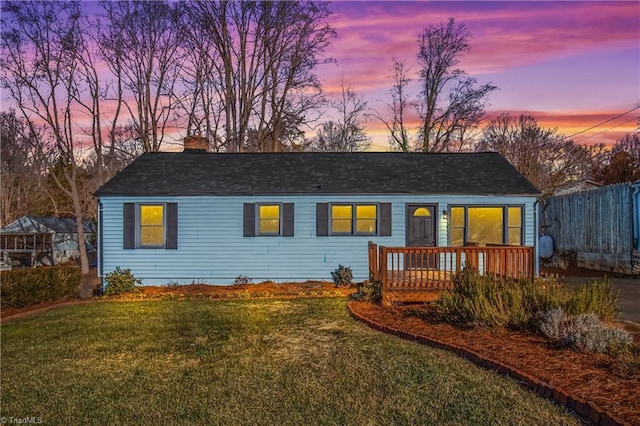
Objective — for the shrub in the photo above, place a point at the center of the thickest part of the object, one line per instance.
(550, 323)
(627, 361)
(488, 301)
(342, 276)
(120, 281)
(242, 279)
(584, 332)
(370, 291)
(594, 297)
(26, 287)
(172, 285)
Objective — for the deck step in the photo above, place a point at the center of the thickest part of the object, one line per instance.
(390, 298)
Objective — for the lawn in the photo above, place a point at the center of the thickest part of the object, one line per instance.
(299, 361)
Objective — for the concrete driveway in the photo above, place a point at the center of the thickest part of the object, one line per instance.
(629, 292)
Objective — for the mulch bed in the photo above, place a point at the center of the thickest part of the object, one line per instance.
(592, 377)
(266, 290)
(258, 290)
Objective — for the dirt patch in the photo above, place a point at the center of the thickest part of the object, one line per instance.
(588, 376)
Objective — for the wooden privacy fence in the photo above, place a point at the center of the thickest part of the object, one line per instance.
(596, 225)
(410, 273)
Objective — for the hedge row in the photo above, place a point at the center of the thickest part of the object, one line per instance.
(25, 287)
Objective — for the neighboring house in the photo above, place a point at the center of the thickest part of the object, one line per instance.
(44, 241)
(577, 186)
(200, 217)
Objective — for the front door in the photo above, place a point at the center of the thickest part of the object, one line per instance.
(421, 232)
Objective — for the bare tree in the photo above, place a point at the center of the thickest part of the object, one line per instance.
(200, 104)
(621, 163)
(546, 158)
(400, 103)
(451, 102)
(21, 170)
(40, 69)
(347, 133)
(263, 56)
(630, 144)
(110, 53)
(91, 90)
(143, 42)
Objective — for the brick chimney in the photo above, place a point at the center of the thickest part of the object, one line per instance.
(196, 143)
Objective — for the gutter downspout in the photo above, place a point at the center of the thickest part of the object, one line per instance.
(100, 251)
(536, 227)
(635, 214)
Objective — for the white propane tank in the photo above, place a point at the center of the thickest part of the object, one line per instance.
(545, 249)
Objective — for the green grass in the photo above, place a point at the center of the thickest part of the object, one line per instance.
(274, 362)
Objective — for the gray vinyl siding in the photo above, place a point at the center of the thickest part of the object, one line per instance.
(212, 248)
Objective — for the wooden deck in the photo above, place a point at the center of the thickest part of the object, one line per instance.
(420, 274)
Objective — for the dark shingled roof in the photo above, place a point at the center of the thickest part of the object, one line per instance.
(44, 224)
(199, 173)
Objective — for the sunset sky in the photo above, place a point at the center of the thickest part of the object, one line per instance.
(571, 64)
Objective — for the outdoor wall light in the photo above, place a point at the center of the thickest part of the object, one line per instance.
(445, 214)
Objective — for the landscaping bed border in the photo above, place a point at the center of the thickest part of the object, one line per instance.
(586, 409)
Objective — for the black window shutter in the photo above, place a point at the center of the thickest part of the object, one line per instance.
(172, 226)
(288, 219)
(322, 219)
(249, 220)
(385, 219)
(128, 226)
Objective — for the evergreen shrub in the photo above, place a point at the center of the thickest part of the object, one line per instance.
(26, 287)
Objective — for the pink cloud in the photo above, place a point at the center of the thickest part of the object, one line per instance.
(504, 34)
(560, 59)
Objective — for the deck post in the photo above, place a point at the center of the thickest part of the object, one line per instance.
(383, 267)
(532, 262)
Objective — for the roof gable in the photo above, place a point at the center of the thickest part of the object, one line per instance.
(189, 173)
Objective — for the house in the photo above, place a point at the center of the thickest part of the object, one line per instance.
(44, 241)
(202, 217)
(576, 186)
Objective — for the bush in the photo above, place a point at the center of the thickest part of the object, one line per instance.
(627, 362)
(26, 287)
(242, 279)
(584, 332)
(370, 291)
(342, 276)
(120, 281)
(488, 301)
(551, 323)
(594, 297)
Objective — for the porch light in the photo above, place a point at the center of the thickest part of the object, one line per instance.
(445, 214)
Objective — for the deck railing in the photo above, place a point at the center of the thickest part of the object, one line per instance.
(432, 268)
(374, 268)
